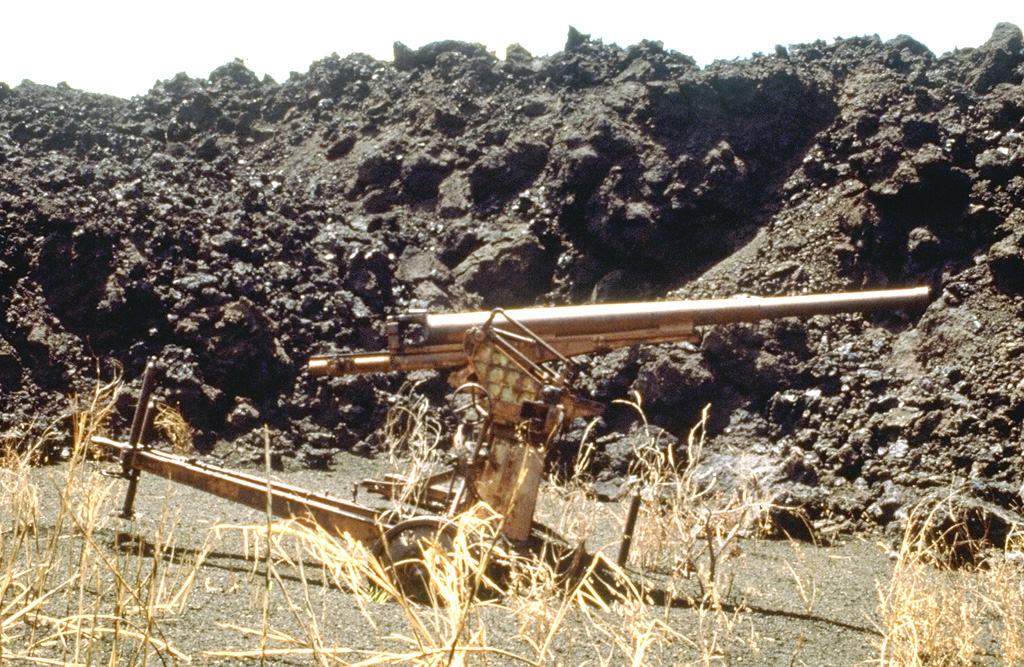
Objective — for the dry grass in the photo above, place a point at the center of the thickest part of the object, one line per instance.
(927, 615)
(688, 528)
(1004, 595)
(448, 626)
(65, 598)
(541, 614)
(412, 435)
(933, 614)
(172, 424)
(457, 626)
(689, 524)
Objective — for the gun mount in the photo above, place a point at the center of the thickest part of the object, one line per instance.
(516, 368)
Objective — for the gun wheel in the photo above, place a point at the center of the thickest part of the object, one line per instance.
(470, 401)
(403, 548)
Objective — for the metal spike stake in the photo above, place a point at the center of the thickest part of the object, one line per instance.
(627, 533)
(144, 410)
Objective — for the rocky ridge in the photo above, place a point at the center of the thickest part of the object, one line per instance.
(231, 226)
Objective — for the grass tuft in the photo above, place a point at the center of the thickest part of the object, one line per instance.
(65, 597)
(939, 609)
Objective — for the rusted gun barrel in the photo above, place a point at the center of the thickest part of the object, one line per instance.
(421, 340)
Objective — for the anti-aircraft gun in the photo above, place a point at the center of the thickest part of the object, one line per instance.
(517, 369)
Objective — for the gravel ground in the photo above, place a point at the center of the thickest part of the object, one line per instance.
(787, 602)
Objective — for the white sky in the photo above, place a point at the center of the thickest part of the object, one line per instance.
(122, 47)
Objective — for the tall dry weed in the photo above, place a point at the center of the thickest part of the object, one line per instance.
(568, 505)
(411, 432)
(65, 598)
(456, 625)
(930, 613)
(689, 522)
(1004, 595)
(19, 495)
(172, 424)
(412, 436)
(444, 629)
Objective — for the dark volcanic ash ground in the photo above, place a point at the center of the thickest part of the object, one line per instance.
(230, 227)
